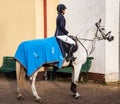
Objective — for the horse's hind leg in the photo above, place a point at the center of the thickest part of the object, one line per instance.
(33, 78)
(18, 69)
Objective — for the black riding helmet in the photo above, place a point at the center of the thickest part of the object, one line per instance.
(61, 7)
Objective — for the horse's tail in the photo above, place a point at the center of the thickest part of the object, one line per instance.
(20, 75)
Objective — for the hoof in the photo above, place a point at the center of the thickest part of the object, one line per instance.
(76, 96)
(38, 100)
(19, 97)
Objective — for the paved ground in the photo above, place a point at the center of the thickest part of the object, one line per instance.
(57, 92)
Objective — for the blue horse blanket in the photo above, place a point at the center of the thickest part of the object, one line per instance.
(34, 53)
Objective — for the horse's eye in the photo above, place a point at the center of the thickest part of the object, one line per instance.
(102, 28)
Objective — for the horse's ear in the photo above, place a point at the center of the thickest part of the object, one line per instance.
(99, 21)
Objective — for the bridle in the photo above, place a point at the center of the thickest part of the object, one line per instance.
(104, 36)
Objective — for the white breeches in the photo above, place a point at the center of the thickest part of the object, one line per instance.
(66, 39)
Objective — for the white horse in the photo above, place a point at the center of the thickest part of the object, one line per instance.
(85, 47)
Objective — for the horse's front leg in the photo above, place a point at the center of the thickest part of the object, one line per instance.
(75, 79)
(33, 79)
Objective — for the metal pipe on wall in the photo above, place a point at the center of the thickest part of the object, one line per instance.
(45, 17)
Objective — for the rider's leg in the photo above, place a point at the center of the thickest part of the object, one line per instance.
(68, 40)
(70, 54)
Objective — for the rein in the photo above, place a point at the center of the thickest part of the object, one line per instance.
(83, 46)
(93, 45)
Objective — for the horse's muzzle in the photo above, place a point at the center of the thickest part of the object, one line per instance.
(110, 38)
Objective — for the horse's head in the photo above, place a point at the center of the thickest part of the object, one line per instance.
(89, 38)
(101, 29)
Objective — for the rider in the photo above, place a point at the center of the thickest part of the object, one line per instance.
(61, 33)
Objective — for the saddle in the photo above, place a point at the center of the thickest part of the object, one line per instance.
(65, 47)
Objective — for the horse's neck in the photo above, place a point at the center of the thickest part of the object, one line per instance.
(88, 40)
(88, 45)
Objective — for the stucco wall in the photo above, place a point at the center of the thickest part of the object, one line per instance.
(112, 49)
(17, 23)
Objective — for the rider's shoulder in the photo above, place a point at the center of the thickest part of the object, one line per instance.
(60, 15)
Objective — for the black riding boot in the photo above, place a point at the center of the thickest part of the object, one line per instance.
(70, 54)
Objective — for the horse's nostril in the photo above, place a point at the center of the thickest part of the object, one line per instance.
(112, 37)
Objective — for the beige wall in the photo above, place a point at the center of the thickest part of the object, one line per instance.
(23, 20)
(39, 19)
(17, 23)
(51, 13)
